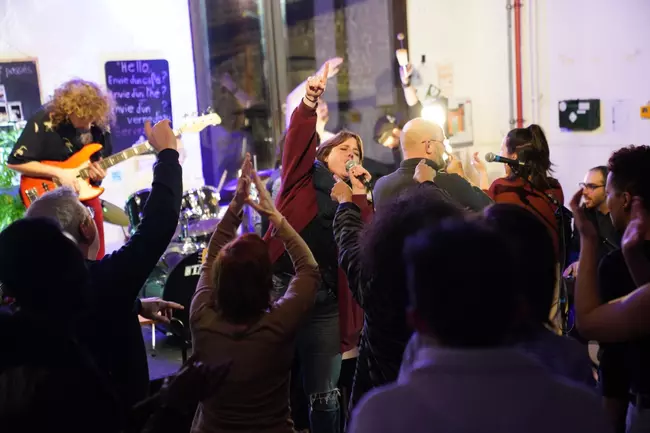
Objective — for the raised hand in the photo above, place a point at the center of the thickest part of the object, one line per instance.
(636, 231)
(316, 85)
(243, 184)
(334, 66)
(161, 136)
(478, 163)
(424, 172)
(585, 227)
(454, 166)
(265, 207)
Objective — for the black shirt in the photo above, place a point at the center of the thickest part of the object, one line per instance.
(610, 239)
(460, 190)
(624, 366)
(40, 141)
(115, 339)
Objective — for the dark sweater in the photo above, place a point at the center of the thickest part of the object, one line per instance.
(385, 328)
(460, 190)
(115, 339)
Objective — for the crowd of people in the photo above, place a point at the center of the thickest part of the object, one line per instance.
(445, 297)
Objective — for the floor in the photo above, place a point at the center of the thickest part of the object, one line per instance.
(166, 359)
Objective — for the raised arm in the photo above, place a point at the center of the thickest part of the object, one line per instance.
(301, 294)
(301, 141)
(225, 232)
(128, 268)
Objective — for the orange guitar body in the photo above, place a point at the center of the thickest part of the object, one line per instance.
(33, 187)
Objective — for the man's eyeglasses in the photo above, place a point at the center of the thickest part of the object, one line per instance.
(590, 186)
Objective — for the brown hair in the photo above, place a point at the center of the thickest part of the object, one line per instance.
(83, 99)
(242, 277)
(323, 151)
(531, 147)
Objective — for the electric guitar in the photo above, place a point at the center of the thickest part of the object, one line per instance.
(33, 187)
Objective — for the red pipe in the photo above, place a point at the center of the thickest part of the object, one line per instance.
(518, 81)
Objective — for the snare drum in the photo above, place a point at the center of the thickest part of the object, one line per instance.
(200, 211)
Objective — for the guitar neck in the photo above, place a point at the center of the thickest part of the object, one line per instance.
(139, 149)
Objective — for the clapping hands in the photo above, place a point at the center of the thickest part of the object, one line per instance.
(265, 206)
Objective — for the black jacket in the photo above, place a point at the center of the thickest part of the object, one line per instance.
(385, 330)
(49, 382)
(114, 336)
(459, 189)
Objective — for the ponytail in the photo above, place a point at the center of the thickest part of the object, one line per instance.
(530, 146)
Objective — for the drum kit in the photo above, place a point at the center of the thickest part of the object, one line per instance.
(177, 273)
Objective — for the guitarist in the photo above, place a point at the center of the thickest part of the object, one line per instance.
(79, 114)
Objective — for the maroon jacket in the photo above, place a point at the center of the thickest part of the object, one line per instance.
(297, 202)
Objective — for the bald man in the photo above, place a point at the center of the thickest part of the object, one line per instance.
(424, 140)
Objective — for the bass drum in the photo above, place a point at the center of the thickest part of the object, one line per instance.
(181, 284)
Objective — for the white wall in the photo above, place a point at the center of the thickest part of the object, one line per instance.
(74, 38)
(585, 49)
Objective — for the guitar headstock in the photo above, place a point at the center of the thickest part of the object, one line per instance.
(199, 123)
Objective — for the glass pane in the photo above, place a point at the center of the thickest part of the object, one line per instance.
(360, 32)
(237, 69)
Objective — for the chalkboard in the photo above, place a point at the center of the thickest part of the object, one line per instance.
(141, 92)
(20, 94)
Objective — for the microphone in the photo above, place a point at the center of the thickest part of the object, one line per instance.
(491, 157)
(352, 163)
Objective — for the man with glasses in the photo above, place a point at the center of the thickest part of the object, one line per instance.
(595, 203)
(424, 140)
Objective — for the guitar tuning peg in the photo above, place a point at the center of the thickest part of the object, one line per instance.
(209, 110)
(185, 116)
(194, 114)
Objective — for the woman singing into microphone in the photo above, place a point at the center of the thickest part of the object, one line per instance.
(528, 185)
(309, 171)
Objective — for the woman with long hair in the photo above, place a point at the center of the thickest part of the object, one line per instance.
(309, 171)
(530, 185)
(233, 316)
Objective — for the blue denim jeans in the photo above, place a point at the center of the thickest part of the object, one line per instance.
(318, 346)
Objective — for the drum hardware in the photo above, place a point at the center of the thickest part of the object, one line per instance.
(114, 215)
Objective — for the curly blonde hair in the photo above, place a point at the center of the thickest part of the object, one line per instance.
(84, 99)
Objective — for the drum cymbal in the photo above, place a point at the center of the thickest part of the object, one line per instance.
(263, 174)
(114, 214)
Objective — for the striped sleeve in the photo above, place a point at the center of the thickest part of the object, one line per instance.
(347, 228)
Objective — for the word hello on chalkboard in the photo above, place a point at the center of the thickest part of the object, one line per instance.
(141, 92)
